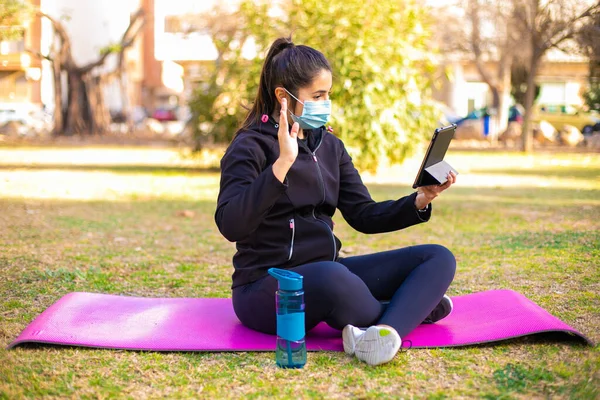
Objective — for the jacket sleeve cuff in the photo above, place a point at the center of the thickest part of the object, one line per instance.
(273, 181)
(425, 214)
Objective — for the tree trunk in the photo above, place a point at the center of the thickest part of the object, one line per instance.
(501, 117)
(98, 112)
(504, 89)
(58, 117)
(77, 111)
(494, 113)
(125, 103)
(529, 97)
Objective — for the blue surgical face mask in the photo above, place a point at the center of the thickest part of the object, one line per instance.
(314, 114)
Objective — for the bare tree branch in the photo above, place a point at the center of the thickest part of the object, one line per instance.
(57, 25)
(65, 57)
(87, 68)
(473, 13)
(565, 33)
(522, 15)
(138, 15)
(126, 41)
(39, 55)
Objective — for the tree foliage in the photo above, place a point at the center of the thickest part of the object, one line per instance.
(13, 14)
(592, 95)
(227, 86)
(381, 56)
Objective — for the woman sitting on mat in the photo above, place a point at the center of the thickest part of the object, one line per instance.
(280, 187)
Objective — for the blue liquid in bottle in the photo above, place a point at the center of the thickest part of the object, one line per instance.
(291, 347)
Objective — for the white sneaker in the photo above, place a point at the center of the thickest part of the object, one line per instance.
(377, 345)
(349, 336)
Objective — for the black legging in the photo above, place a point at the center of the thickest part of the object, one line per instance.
(413, 279)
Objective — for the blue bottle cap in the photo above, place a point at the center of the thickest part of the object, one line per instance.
(288, 280)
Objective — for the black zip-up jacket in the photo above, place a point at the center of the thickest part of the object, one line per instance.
(288, 224)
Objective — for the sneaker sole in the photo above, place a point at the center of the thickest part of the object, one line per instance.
(377, 345)
(451, 305)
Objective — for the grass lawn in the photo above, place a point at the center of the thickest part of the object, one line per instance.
(110, 220)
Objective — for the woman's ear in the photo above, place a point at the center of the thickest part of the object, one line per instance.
(280, 94)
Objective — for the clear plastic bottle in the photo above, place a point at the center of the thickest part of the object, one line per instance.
(291, 347)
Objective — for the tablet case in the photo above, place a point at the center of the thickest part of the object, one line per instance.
(437, 173)
(434, 169)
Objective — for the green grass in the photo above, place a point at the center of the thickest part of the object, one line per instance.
(113, 223)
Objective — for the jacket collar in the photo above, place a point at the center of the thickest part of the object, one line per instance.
(267, 126)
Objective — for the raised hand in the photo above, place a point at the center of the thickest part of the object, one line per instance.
(288, 144)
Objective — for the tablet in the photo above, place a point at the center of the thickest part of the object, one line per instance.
(434, 169)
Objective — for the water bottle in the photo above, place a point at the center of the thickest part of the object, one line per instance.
(289, 299)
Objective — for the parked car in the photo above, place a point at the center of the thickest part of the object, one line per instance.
(473, 115)
(24, 119)
(561, 115)
(516, 113)
(164, 115)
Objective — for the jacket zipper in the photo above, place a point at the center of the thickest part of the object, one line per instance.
(330, 231)
(293, 228)
(320, 176)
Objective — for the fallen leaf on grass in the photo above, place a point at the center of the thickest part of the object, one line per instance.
(186, 213)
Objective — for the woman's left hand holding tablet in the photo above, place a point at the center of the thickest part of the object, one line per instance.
(426, 194)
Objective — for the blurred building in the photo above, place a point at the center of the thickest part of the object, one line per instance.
(181, 38)
(91, 25)
(20, 72)
(562, 78)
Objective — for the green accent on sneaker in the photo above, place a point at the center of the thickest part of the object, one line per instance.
(384, 332)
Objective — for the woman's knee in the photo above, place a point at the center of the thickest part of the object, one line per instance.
(449, 259)
(335, 284)
(444, 259)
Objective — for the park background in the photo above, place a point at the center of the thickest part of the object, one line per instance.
(114, 190)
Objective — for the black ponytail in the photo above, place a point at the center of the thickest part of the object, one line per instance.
(286, 65)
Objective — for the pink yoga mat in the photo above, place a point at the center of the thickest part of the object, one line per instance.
(182, 324)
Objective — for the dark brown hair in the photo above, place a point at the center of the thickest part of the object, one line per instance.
(286, 65)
